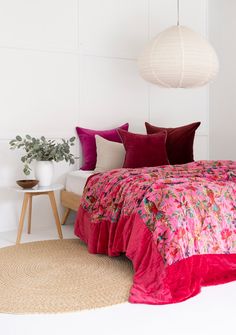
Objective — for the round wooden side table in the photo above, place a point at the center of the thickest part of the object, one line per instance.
(27, 202)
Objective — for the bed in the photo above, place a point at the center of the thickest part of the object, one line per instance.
(71, 195)
(177, 224)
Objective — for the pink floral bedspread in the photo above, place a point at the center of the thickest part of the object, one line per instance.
(181, 211)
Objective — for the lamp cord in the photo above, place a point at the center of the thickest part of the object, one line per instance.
(177, 12)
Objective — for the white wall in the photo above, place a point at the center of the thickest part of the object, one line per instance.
(70, 62)
(222, 28)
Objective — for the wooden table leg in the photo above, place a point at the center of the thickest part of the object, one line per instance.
(22, 217)
(29, 213)
(55, 213)
(65, 217)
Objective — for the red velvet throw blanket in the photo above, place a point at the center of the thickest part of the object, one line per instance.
(177, 224)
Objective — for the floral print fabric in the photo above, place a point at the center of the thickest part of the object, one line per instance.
(190, 209)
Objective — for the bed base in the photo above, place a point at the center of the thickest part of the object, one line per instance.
(71, 202)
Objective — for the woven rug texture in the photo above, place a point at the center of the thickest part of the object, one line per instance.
(60, 276)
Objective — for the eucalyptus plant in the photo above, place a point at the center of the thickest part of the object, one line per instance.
(42, 149)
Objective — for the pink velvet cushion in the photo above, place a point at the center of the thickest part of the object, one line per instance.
(144, 150)
(88, 143)
(179, 143)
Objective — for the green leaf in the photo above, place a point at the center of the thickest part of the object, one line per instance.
(18, 138)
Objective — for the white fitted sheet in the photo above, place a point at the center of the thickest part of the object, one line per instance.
(76, 180)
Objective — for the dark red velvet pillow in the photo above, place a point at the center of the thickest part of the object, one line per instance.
(144, 150)
(179, 143)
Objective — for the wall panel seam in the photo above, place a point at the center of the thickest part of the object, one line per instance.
(65, 51)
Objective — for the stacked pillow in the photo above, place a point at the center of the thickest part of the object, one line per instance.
(144, 150)
(110, 155)
(116, 148)
(88, 144)
(179, 143)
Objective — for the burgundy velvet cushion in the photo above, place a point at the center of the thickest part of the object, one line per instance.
(88, 143)
(144, 150)
(179, 143)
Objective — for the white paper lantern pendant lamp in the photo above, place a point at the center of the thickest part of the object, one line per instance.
(179, 58)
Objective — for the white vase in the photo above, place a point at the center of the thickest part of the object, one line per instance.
(44, 172)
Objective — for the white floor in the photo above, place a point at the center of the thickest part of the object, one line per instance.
(211, 312)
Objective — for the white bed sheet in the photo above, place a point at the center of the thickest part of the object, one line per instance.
(76, 180)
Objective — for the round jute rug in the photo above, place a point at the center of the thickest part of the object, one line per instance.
(60, 276)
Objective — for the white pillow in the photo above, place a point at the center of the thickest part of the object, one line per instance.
(110, 155)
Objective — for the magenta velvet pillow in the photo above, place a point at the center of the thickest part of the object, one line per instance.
(179, 143)
(144, 150)
(88, 143)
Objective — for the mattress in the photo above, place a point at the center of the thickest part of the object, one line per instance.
(76, 180)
